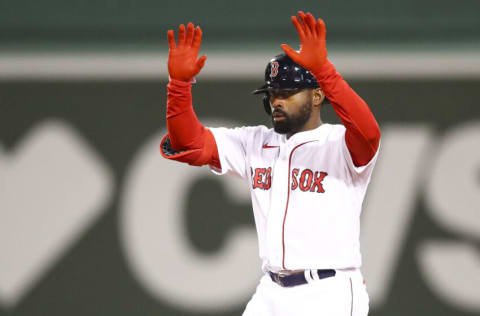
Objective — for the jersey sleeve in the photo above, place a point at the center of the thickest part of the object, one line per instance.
(363, 170)
(231, 145)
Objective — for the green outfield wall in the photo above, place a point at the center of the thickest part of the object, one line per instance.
(141, 24)
(93, 221)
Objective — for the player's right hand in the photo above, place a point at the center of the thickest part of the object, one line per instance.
(183, 61)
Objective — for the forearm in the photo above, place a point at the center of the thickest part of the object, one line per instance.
(362, 134)
(183, 126)
(185, 132)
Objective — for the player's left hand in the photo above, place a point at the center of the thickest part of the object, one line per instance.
(313, 48)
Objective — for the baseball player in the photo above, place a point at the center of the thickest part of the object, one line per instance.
(307, 178)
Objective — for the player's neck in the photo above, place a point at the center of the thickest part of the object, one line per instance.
(314, 122)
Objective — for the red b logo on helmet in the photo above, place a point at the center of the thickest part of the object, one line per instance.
(273, 69)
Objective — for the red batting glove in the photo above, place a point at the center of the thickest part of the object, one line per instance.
(183, 63)
(313, 48)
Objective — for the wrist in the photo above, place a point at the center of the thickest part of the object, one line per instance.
(180, 82)
(324, 71)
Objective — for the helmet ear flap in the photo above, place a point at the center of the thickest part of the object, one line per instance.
(266, 104)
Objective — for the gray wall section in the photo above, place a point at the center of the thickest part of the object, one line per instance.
(92, 277)
(55, 23)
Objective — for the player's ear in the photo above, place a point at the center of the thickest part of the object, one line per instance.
(318, 96)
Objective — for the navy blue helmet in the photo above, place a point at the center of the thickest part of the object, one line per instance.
(282, 73)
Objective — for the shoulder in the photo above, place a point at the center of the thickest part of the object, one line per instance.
(246, 130)
(245, 133)
(259, 130)
(334, 131)
(255, 135)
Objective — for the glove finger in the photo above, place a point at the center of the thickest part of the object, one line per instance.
(291, 53)
(197, 38)
(306, 29)
(181, 35)
(321, 29)
(171, 39)
(189, 37)
(299, 28)
(310, 20)
(201, 62)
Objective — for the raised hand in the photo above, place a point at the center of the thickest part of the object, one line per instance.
(313, 48)
(183, 61)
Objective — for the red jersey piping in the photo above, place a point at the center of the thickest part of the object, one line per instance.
(288, 199)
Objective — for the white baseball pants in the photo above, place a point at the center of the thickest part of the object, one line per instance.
(344, 294)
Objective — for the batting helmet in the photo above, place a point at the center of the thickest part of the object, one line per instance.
(282, 73)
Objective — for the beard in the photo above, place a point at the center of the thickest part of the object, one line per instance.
(292, 123)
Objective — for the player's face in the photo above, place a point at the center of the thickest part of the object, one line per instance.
(291, 110)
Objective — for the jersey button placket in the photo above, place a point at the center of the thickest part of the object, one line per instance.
(277, 205)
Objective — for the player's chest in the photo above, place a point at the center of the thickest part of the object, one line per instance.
(304, 167)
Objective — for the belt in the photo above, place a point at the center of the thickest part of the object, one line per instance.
(294, 279)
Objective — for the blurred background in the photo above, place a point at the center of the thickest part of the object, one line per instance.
(94, 222)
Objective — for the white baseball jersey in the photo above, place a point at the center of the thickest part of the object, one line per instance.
(306, 194)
